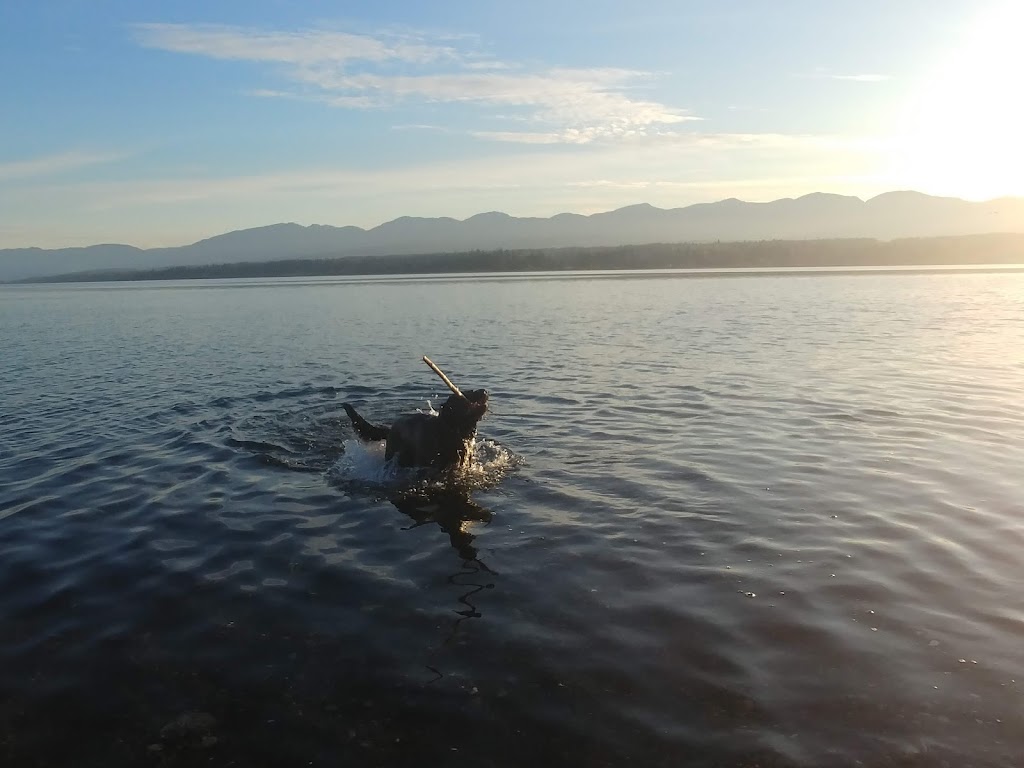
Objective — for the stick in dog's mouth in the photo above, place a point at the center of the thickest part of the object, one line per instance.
(444, 378)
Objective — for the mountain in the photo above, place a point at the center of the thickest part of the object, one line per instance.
(814, 216)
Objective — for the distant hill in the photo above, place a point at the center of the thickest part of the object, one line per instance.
(815, 216)
(928, 252)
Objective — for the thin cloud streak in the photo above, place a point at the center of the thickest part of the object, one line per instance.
(861, 77)
(307, 47)
(661, 163)
(55, 164)
(714, 184)
(865, 78)
(691, 140)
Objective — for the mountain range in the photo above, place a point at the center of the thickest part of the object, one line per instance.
(814, 216)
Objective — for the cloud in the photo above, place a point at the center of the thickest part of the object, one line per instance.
(770, 141)
(50, 165)
(730, 184)
(704, 141)
(345, 102)
(420, 127)
(308, 47)
(863, 77)
(527, 137)
(350, 71)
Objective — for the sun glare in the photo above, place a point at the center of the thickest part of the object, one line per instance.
(961, 132)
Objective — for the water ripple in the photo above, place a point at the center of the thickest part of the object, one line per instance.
(717, 522)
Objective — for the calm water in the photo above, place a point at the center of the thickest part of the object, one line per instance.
(743, 521)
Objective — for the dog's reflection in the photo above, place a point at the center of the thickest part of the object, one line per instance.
(452, 510)
(455, 513)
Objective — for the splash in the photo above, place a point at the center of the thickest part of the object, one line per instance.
(488, 464)
(363, 463)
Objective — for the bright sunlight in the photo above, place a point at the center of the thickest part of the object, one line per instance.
(961, 132)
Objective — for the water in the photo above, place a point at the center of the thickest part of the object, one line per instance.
(737, 521)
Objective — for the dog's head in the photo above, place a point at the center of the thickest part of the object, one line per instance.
(463, 413)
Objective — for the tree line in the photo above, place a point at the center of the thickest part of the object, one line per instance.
(850, 252)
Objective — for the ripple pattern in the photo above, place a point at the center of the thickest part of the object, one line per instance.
(743, 521)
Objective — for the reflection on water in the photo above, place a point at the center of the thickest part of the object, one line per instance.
(452, 510)
(725, 522)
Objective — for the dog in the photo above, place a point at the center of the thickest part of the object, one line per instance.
(440, 442)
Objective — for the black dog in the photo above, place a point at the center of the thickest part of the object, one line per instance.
(441, 442)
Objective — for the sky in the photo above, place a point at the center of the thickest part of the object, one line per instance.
(163, 123)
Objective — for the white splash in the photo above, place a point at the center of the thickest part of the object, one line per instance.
(364, 463)
(488, 463)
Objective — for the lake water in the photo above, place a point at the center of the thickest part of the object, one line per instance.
(732, 521)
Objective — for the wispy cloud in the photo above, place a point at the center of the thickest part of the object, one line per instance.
(860, 77)
(353, 71)
(710, 184)
(625, 165)
(304, 48)
(51, 165)
(702, 141)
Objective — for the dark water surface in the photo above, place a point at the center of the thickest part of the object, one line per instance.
(744, 521)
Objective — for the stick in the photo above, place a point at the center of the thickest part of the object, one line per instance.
(444, 378)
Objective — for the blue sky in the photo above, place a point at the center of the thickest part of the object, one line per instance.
(163, 123)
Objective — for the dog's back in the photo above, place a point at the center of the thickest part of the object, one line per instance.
(422, 440)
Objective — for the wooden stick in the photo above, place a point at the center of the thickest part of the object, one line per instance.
(444, 378)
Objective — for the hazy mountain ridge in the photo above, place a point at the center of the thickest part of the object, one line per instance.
(815, 216)
(963, 251)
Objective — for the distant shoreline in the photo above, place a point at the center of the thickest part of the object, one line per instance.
(562, 274)
(989, 252)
